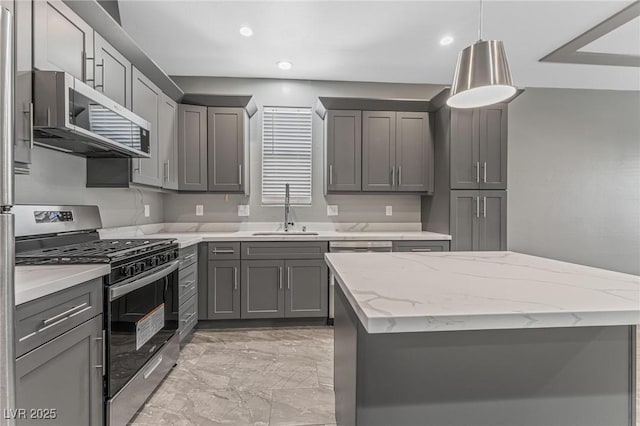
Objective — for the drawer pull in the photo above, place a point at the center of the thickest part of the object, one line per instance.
(189, 317)
(64, 314)
(187, 284)
(53, 324)
(79, 312)
(22, 339)
(153, 368)
(191, 256)
(420, 249)
(223, 251)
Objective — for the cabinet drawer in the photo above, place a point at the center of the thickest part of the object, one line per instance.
(284, 250)
(188, 256)
(44, 319)
(188, 317)
(188, 282)
(224, 251)
(420, 246)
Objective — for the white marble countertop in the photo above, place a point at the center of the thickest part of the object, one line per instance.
(35, 281)
(417, 292)
(186, 239)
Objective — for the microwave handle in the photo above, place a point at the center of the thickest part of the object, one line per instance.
(141, 281)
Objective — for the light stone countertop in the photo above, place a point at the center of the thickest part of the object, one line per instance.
(35, 281)
(418, 292)
(186, 239)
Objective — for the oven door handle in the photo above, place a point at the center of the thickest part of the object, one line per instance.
(138, 282)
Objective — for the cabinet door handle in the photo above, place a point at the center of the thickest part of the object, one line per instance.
(393, 176)
(484, 206)
(30, 125)
(330, 174)
(399, 175)
(235, 278)
(477, 206)
(288, 277)
(103, 355)
(484, 172)
(165, 171)
(477, 172)
(280, 273)
(240, 174)
(101, 85)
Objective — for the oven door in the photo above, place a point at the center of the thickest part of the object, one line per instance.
(142, 315)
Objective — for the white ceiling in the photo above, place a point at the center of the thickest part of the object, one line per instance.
(385, 41)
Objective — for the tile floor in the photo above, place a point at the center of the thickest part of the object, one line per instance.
(261, 377)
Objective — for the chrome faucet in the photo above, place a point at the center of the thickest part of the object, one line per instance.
(287, 209)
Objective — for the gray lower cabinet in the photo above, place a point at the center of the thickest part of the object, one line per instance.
(192, 148)
(420, 246)
(62, 41)
(262, 289)
(112, 72)
(307, 289)
(187, 291)
(145, 101)
(478, 220)
(227, 131)
(223, 289)
(479, 148)
(168, 141)
(65, 375)
(378, 150)
(343, 151)
(22, 95)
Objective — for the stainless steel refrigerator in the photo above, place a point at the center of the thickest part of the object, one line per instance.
(7, 238)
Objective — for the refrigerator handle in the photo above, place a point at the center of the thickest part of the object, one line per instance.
(6, 108)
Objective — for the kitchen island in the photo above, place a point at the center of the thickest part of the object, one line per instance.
(482, 338)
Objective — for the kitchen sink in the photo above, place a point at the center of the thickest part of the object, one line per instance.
(282, 233)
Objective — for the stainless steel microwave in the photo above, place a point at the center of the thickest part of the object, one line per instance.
(71, 116)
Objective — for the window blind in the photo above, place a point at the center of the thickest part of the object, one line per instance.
(286, 154)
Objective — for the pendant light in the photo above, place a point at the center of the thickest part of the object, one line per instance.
(482, 74)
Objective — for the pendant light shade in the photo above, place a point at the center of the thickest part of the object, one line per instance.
(482, 76)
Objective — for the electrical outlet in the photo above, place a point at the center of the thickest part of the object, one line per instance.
(147, 210)
(389, 211)
(243, 210)
(332, 210)
(199, 210)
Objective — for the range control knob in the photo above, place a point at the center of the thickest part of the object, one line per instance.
(131, 270)
(139, 267)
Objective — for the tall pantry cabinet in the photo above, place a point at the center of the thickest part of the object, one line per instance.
(470, 197)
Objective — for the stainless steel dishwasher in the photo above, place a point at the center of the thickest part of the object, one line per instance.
(353, 247)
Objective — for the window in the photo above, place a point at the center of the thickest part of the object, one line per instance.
(286, 154)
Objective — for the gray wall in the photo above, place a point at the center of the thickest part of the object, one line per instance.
(59, 178)
(574, 177)
(297, 93)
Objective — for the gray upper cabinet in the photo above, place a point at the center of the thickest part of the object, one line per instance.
(378, 150)
(112, 72)
(478, 220)
(64, 374)
(223, 292)
(23, 97)
(62, 41)
(262, 289)
(145, 101)
(479, 148)
(192, 148)
(493, 147)
(307, 289)
(343, 167)
(414, 152)
(226, 149)
(168, 141)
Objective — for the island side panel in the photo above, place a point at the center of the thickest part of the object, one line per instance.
(345, 359)
(556, 377)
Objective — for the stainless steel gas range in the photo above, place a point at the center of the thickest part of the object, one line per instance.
(140, 294)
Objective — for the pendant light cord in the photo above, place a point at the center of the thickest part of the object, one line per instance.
(480, 26)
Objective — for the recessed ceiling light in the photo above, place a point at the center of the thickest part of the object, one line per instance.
(285, 65)
(246, 31)
(446, 40)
